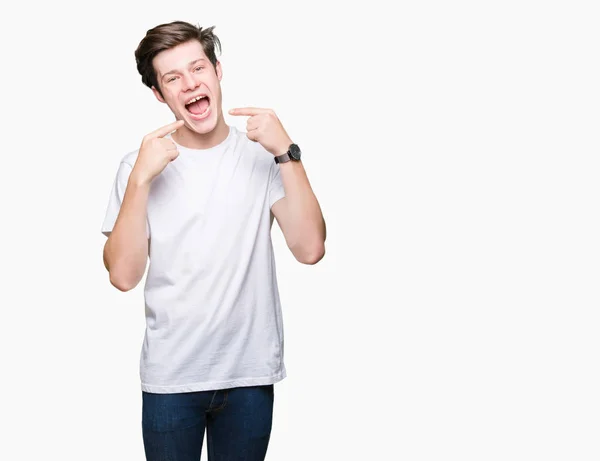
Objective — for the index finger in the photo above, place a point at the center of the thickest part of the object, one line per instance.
(165, 130)
(248, 111)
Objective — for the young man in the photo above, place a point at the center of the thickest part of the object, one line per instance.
(199, 198)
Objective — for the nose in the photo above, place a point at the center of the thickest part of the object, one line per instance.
(188, 82)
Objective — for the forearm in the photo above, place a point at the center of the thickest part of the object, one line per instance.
(126, 250)
(306, 231)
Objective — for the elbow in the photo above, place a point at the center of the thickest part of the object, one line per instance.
(123, 274)
(312, 255)
(123, 284)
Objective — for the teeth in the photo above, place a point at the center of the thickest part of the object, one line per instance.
(194, 100)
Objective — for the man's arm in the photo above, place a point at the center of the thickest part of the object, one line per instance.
(299, 215)
(126, 250)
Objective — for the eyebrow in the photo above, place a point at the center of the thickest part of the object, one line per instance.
(175, 71)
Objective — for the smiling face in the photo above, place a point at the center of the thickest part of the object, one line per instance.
(190, 86)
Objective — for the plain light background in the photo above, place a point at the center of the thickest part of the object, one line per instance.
(453, 147)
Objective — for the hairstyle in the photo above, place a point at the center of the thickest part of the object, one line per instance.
(167, 36)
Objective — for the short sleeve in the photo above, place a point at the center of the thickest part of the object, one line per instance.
(115, 199)
(276, 190)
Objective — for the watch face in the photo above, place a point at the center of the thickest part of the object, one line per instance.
(295, 152)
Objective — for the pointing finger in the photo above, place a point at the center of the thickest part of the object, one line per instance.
(248, 111)
(165, 130)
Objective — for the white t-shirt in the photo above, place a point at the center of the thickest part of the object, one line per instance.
(213, 313)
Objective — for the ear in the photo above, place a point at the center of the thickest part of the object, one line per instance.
(157, 94)
(219, 70)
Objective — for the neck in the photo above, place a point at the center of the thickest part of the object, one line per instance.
(192, 140)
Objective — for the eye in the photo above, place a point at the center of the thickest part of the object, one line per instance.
(171, 79)
(199, 68)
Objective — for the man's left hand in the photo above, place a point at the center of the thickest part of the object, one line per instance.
(264, 127)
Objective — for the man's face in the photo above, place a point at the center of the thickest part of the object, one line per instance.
(190, 85)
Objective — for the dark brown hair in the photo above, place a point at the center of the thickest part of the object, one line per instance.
(167, 36)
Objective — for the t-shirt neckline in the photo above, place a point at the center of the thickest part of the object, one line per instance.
(219, 146)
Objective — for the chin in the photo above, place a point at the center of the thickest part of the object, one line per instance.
(202, 126)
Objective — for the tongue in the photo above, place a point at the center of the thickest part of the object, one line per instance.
(198, 107)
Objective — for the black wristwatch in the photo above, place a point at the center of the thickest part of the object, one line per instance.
(293, 153)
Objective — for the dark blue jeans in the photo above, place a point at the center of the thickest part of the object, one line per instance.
(237, 423)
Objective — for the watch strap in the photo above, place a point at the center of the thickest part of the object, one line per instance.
(283, 158)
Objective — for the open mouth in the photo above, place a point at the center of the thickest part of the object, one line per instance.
(199, 106)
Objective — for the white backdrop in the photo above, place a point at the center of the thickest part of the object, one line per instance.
(453, 147)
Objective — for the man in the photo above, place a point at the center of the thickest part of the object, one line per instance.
(199, 198)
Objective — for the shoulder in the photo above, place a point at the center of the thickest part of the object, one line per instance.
(125, 167)
(130, 157)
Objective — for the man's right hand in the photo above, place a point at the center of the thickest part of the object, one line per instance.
(155, 153)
